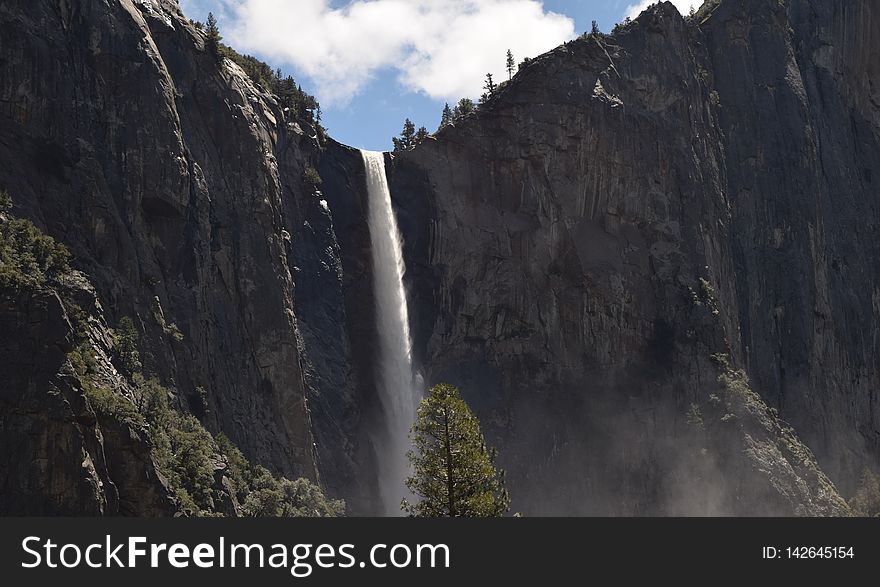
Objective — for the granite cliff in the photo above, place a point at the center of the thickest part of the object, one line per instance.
(649, 261)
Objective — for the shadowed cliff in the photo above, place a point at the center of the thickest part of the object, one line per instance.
(650, 261)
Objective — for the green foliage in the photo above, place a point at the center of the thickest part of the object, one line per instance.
(511, 64)
(866, 502)
(104, 400)
(445, 117)
(5, 201)
(490, 88)
(28, 257)
(169, 328)
(125, 348)
(454, 474)
(704, 11)
(213, 34)
(707, 292)
(261, 494)
(594, 28)
(202, 399)
(290, 95)
(621, 25)
(181, 446)
(407, 138)
(463, 109)
(311, 176)
(184, 451)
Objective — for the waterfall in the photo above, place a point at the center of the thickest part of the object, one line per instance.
(394, 381)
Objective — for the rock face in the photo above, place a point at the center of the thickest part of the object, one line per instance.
(177, 184)
(57, 459)
(628, 207)
(639, 260)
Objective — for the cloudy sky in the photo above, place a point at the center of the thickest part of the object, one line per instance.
(372, 63)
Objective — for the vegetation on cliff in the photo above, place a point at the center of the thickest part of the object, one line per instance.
(187, 454)
(183, 450)
(290, 94)
(28, 257)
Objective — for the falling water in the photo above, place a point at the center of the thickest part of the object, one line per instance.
(397, 391)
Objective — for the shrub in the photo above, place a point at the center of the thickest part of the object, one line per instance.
(126, 346)
(5, 201)
(28, 257)
(311, 176)
(261, 494)
(104, 400)
(169, 328)
(184, 451)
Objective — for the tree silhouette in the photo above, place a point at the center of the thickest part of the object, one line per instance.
(446, 117)
(407, 139)
(490, 85)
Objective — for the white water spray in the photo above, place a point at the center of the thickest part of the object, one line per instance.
(397, 391)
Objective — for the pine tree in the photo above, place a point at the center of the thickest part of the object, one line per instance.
(407, 139)
(511, 64)
(421, 135)
(594, 29)
(454, 474)
(463, 109)
(213, 32)
(446, 117)
(490, 85)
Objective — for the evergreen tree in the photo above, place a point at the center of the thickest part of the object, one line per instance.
(454, 474)
(594, 29)
(421, 135)
(463, 109)
(407, 139)
(446, 117)
(510, 64)
(490, 85)
(213, 32)
(6, 200)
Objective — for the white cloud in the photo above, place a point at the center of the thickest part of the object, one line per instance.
(443, 48)
(684, 6)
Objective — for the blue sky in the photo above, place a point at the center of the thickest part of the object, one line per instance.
(373, 63)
